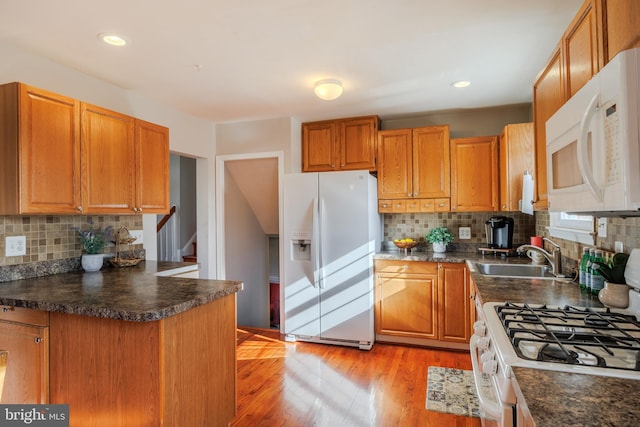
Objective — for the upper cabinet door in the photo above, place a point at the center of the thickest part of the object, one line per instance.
(623, 26)
(431, 166)
(108, 159)
(152, 167)
(394, 164)
(516, 157)
(474, 174)
(319, 146)
(49, 141)
(548, 97)
(357, 143)
(583, 46)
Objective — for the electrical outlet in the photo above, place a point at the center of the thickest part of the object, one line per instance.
(602, 227)
(464, 232)
(138, 235)
(618, 247)
(15, 246)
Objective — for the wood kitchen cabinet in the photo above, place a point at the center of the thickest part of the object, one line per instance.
(474, 174)
(413, 165)
(622, 25)
(406, 299)
(583, 46)
(40, 151)
(24, 333)
(516, 157)
(342, 144)
(126, 162)
(454, 303)
(62, 156)
(422, 303)
(548, 97)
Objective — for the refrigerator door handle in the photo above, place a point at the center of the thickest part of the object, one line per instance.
(321, 224)
(315, 241)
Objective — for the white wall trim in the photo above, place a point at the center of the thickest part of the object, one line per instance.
(220, 220)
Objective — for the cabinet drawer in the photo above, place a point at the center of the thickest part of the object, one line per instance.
(24, 315)
(442, 205)
(406, 267)
(395, 206)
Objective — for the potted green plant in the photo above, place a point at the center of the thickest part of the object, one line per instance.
(616, 291)
(93, 240)
(439, 237)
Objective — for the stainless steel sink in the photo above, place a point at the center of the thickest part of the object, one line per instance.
(528, 271)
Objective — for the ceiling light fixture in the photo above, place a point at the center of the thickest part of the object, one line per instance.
(113, 39)
(460, 84)
(328, 89)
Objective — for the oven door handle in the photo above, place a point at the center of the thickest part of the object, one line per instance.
(490, 407)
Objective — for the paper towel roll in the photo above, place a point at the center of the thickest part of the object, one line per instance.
(526, 204)
(632, 270)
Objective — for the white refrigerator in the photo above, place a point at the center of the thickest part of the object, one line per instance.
(331, 231)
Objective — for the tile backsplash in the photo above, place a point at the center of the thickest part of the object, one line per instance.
(54, 237)
(416, 225)
(625, 230)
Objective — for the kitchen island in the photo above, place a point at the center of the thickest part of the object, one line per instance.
(127, 347)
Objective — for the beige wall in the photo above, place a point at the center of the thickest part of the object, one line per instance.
(468, 122)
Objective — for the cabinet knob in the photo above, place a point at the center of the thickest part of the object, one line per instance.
(415, 194)
(426, 205)
(333, 166)
(79, 208)
(405, 267)
(408, 194)
(342, 165)
(6, 309)
(504, 206)
(384, 205)
(441, 204)
(37, 340)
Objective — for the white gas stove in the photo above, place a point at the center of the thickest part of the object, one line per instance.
(592, 341)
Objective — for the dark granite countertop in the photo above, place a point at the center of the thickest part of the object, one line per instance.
(131, 293)
(551, 398)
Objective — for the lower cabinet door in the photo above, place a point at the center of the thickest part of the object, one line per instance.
(27, 373)
(454, 303)
(406, 305)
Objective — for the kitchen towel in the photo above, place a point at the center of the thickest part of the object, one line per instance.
(453, 391)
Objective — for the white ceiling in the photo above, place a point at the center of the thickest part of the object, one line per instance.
(259, 59)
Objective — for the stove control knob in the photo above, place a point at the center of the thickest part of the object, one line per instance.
(487, 356)
(479, 328)
(490, 367)
(483, 343)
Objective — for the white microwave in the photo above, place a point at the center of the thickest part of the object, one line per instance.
(593, 144)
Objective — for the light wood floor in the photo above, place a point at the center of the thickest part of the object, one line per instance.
(305, 384)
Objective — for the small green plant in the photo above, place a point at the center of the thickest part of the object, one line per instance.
(615, 272)
(94, 239)
(439, 235)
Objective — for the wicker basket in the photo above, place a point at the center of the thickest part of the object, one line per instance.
(123, 245)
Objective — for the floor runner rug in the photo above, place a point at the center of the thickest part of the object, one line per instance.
(453, 391)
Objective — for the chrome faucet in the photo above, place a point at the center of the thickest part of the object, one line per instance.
(554, 258)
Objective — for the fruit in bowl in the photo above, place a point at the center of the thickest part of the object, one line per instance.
(406, 243)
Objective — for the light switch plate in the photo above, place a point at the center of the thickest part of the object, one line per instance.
(602, 227)
(15, 246)
(138, 235)
(464, 233)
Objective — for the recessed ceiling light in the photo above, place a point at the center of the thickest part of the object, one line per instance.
(113, 39)
(460, 83)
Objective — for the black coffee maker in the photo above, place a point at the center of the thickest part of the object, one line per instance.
(499, 231)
